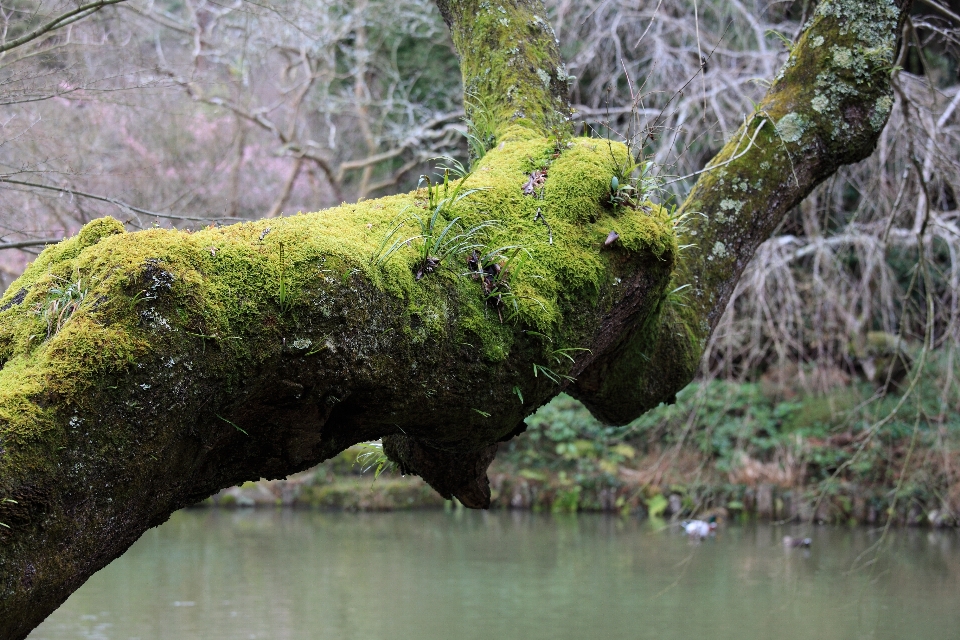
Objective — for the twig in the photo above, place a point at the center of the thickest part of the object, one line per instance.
(277, 207)
(942, 9)
(28, 243)
(119, 203)
(62, 20)
(726, 162)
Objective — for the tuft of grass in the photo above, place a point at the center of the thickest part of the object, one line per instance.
(550, 374)
(452, 166)
(382, 253)
(633, 183)
(62, 302)
(374, 458)
(436, 244)
(678, 296)
(481, 127)
(440, 236)
(557, 354)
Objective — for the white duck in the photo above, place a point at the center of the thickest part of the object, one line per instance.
(797, 542)
(698, 528)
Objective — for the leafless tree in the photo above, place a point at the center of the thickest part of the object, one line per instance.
(217, 112)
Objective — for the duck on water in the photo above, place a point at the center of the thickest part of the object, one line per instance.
(789, 541)
(699, 529)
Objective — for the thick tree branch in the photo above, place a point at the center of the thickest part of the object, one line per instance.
(511, 63)
(825, 108)
(187, 362)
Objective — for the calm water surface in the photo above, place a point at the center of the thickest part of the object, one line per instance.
(210, 574)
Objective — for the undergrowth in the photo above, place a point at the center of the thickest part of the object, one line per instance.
(722, 434)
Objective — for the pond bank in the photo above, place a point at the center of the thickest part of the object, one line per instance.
(541, 492)
(760, 451)
(632, 495)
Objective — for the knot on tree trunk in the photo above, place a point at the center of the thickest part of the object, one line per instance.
(453, 474)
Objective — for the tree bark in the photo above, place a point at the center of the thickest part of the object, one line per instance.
(143, 372)
(825, 108)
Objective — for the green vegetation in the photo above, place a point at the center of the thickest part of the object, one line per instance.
(62, 302)
(481, 127)
(373, 457)
(723, 440)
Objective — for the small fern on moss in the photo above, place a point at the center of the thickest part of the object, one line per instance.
(62, 302)
(374, 458)
(481, 127)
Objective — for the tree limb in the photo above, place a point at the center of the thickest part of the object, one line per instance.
(510, 60)
(28, 243)
(943, 10)
(825, 108)
(123, 206)
(64, 19)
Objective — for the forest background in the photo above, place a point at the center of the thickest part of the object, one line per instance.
(830, 389)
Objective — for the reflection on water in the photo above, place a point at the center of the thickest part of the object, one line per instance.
(464, 575)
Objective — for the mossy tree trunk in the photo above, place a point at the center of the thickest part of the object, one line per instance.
(825, 108)
(143, 372)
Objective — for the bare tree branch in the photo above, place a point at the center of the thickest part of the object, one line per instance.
(64, 19)
(943, 9)
(277, 207)
(114, 201)
(28, 243)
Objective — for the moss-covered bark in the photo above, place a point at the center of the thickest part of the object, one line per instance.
(511, 64)
(143, 372)
(195, 361)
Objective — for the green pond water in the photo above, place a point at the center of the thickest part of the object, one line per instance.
(211, 574)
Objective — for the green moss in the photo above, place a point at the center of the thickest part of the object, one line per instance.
(96, 230)
(510, 60)
(581, 178)
(162, 291)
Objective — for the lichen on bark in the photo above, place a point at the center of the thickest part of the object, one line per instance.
(824, 109)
